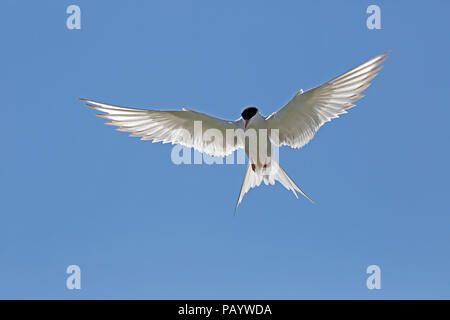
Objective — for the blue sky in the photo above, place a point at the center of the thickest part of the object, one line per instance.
(74, 191)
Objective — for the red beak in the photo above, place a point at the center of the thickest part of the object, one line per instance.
(246, 123)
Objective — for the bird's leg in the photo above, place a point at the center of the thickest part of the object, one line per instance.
(253, 167)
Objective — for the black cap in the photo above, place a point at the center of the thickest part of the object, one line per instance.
(248, 113)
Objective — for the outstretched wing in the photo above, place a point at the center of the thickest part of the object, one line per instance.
(175, 126)
(299, 120)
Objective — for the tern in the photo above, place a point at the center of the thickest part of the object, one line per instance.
(296, 124)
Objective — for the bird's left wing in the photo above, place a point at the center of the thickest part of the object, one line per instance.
(174, 126)
(299, 120)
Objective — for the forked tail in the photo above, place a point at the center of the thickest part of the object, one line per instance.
(275, 173)
(280, 175)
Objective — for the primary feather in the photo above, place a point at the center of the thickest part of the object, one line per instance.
(174, 126)
(299, 120)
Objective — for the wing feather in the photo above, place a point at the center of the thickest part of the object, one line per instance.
(299, 120)
(169, 126)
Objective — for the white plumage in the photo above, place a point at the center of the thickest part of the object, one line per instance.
(300, 119)
(297, 122)
(167, 126)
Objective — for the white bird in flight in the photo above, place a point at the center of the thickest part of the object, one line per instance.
(297, 122)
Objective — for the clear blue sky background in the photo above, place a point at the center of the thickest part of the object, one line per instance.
(74, 191)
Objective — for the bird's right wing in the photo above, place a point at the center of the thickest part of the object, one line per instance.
(174, 126)
(299, 120)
